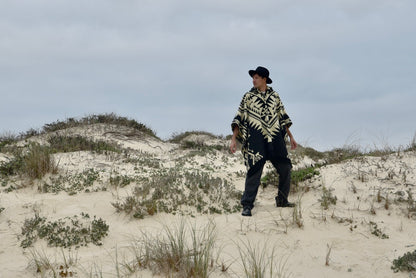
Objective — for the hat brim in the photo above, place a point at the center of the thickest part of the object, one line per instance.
(253, 72)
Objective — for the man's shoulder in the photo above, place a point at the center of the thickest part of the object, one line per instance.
(250, 92)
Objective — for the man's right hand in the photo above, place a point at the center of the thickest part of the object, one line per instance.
(233, 145)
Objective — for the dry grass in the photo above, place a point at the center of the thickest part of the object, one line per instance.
(260, 261)
(180, 250)
(109, 118)
(38, 162)
(35, 162)
(62, 265)
(60, 143)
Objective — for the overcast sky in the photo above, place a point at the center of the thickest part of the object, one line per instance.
(345, 69)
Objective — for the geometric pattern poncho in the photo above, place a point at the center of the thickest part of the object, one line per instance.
(262, 121)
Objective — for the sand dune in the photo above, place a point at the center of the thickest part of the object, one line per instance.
(352, 219)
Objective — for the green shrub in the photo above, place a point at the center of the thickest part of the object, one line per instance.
(407, 262)
(6, 140)
(35, 163)
(296, 177)
(60, 143)
(302, 175)
(178, 137)
(121, 180)
(12, 167)
(110, 118)
(327, 198)
(72, 184)
(176, 190)
(377, 231)
(312, 153)
(412, 145)
(340, 154)
(64, 232)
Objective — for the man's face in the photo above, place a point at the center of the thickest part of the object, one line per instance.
(259, 81)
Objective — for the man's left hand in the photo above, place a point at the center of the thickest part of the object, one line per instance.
(293, 144)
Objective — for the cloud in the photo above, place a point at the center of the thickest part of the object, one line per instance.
(179, 65)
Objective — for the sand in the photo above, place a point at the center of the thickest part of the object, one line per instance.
(333, 242)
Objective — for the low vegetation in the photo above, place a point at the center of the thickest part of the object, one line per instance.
(64, 144)
(297, 177)
(375, 230)
(46, 267)
(72, 184)
(65, 232)
(327, 198)
(261, 260)
(110, 118)
(177, 190)
(407, 262)
(34, 162)
(178, 137)
(7, 139)
(180, 250)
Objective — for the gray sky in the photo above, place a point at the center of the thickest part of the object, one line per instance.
(345, 69)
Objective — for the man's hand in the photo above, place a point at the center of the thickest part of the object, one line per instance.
(293, 144)
(233, 145)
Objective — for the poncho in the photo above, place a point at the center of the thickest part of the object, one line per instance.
(262, 121)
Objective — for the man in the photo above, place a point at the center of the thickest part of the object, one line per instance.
(261, 125)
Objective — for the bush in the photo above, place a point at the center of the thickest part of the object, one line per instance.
(296, 177)
(6, 140)
(181, 250)
(178, 137)
(327, 198)
(59, 143)
(261, 260)
(12, 167)
(110, 118)
(72, 184)
(176, 190)
(412, 145)
(37, 162)
(340, 154)
(64, 232)
(407, 262)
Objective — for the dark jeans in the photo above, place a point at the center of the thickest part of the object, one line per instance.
(283, 167)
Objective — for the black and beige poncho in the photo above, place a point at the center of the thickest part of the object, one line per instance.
(262, 122)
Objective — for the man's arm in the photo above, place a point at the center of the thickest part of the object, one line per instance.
(233, 145)
(293, 143)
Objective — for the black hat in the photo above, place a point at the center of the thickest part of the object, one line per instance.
(261, 71)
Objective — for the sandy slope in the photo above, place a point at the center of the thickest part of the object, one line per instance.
(301, 251)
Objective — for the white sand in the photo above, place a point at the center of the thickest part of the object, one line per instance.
(355, 252)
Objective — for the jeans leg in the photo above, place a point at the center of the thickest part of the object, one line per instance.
(283, 169)
(252, 185)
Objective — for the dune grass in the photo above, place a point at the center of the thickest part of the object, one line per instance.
(181, 250)
(261, 260)
(63, 144)
(62, 265)
(34, 163)
(110, 118)
(178, 137)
